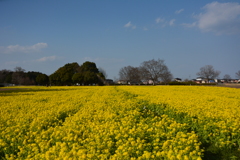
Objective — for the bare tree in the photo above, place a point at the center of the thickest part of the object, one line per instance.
(19, 69)
(227, 77)
(124, 73)
(130, 73)
(238, 74)
(18, 75)
(167, 77)
(208, 72)
(134, 75)
(155, 70)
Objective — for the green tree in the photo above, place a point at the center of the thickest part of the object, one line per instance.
(32, 77)
(78, 78)
(72, 73)
(101, 78)
(63, 76)
(42, 79)
(88, 66)
(91, 74)
(5, 76)
(90, 78)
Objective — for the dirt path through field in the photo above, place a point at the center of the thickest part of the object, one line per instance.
(229, 85)
(10, 89)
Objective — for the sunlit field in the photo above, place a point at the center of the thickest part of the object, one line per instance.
(120, 122)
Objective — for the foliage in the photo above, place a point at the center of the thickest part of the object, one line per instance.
(63, 76)
(42, 79)
(33, 77)
(103, 72)
(72, 73)
(19, 76)
(78, 78)
(90, 78)
(5, 76)
(88, 66)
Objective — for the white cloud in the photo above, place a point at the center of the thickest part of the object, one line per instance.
(130, 25)
(190, 25)
(164, 22)
(158, 20)
(134, 27)
(22, 49)
(50, 58)
(179, 11)
(171, 23)
(145, 28)
(220, 18)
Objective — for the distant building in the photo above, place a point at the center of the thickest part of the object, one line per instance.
(211, 81)
(178, 79)
(134, 82)
(199, 78)
(109, 81)
(6, 84)
(148, 82)
(122, 82)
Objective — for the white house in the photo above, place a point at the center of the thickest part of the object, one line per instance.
(178, 79)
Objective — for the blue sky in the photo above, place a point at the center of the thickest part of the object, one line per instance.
(45, 35)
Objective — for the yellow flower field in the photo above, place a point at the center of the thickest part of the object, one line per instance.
(120, 122)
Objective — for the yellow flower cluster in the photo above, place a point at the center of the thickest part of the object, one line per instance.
(213, 112)
(92, 122)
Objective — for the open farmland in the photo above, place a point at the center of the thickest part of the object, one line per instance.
(120, 122)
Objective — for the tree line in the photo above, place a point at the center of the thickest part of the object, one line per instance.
(69, 74)
(157, 70)
(88, 74)
(19, 76)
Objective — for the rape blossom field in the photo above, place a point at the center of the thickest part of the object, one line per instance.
(120, 122)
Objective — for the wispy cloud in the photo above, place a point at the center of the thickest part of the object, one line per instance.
(22, 49)
(179, 11)
(171, 23)
(190, 25)
(164, 22)
(50, 58)
(130, 25)
(159, 20)
(220, 18)
(145, 28)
